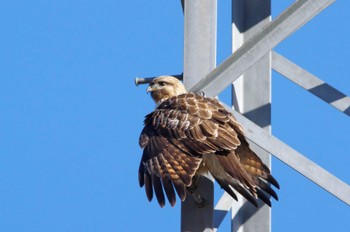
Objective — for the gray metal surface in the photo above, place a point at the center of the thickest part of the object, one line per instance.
(147, 80)
(260, 44)
(199, 60)
(200, 40)
(252, 92)
(311, 83)
(221, 209)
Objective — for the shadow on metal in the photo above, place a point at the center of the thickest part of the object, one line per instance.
(248, 210)
(347, 111)
(255, 114)
(219, 216)
(327, 93)
(260, 9)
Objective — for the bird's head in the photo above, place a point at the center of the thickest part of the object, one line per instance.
(164, 87)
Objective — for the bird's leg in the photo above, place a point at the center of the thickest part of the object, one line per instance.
(200, 202)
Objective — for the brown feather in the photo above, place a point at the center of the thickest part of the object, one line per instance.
(157, 186)
(263, 197)
(148, 186)
(254, 165)
(264, 186)
(187, 135)
(169, 190)
(244, 192)
(230, 164)
(226, 186)
(209, 128)
(141, 174)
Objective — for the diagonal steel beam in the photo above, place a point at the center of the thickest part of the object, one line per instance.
(294, 159)
(288, 155)
(285, 24)
(311, 83)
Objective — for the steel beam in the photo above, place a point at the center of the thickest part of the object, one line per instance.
(260, 44)
(311, 83)
(253, 92)
(200, 40)
(147, 80)
(199, 60)
(221, 209)
(294, 159)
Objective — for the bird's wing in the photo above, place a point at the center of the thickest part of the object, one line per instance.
(164, 166)
(176, 136)
(257, 169)
(256, 175)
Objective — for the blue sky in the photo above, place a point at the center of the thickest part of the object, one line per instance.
(71, 114)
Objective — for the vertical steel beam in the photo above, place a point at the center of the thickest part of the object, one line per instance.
(252, 96)
(200, 40)
(199, 60)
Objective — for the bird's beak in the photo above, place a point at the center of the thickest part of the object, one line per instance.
(149, 89)
(152, 88)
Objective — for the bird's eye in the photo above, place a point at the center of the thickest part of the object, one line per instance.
(162, 83)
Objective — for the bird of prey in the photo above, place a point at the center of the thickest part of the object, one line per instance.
(188, 135)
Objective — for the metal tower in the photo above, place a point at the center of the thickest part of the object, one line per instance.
(254, 36)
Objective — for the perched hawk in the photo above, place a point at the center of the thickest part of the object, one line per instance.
(187, 135)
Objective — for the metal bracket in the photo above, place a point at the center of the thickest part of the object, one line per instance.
(147, 80)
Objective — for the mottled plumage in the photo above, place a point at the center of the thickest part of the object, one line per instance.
(188, 134)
